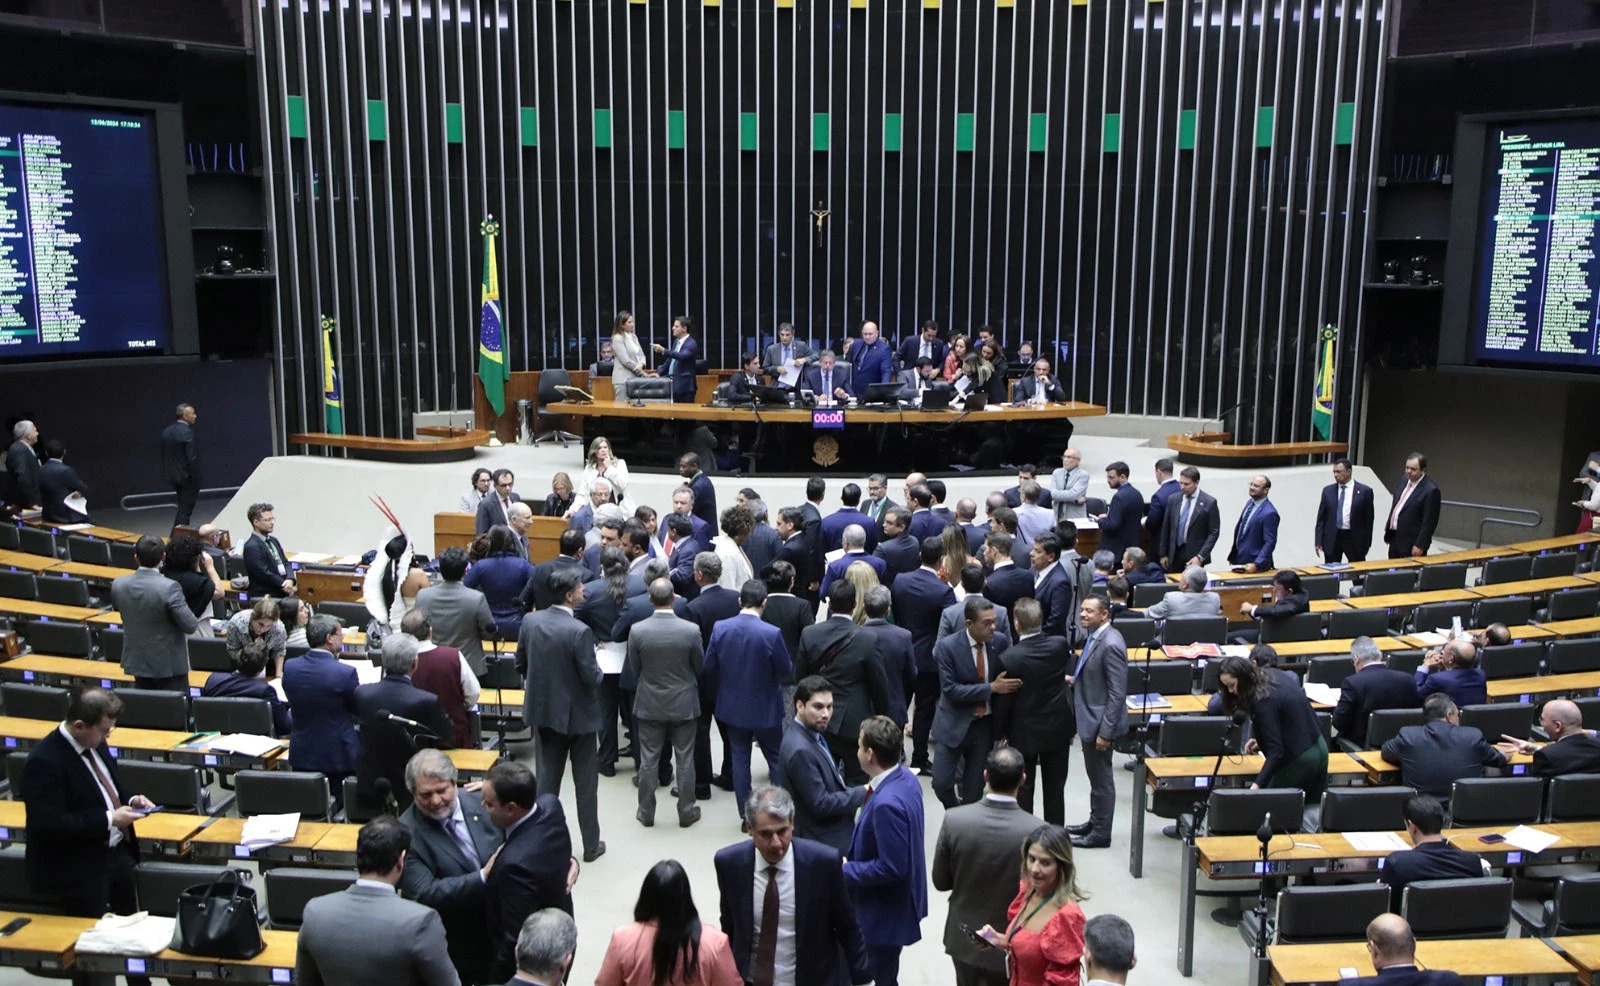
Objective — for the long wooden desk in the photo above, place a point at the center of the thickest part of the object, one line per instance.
(1361, 567)
(1407, 600)
(156, 745)
(1526, 960)
(46, 942)
(37, 610)
(91, 573)
(1522, 631)
(1582, 951)
(1555, 543)
(163, 834)
(75, 672)
(1571, 628)
(274, 965)
(220, 841)
(460, 445)
(1529, 587)
(22, 561)
(1334, 647)
(1004, 415)
(1524, 689)
(1469, 556)
(1381, 771)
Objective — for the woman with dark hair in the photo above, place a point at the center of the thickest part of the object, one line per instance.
(501, 575)
(391, 587)
(1283, 726)
(1044, 933)
(627, 355)
(990, 353)
(666, 945)
(604, 599)
(955, 357)
(195, 573)
(481, 479)
(294, 613)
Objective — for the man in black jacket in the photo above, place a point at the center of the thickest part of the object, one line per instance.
(387, 744)
(535, 868)
(1289, 600)
(1038, 719)
(1571, 750)
(180, 462)
(899, 550)
(1434, 755)
(56, 481)
(1007, 581)
(264, 559)
(1431, 858)
(1373, 687)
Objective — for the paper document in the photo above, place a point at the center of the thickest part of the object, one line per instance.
(77, 503)
(963, 385)
(1532, 839)
(789, 375)
(611, 656)
(1148, 701)
(1085, 524)
(1235, 650)
(366, 671)
(269, 830)
(245, 744)
(1375, 841)
(1433, 638)
(308, 557)
(1322, 694)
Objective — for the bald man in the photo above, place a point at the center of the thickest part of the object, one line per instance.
(871, 359)
(1453, 669)
(1571, 750)
(519, 518)
(1393, 951)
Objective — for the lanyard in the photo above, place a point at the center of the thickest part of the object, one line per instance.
(1023, 919)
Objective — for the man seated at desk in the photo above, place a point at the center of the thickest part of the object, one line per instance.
(1453, 669)
(1393, 951)
(1431, 857)
(248, 680)
(1288, 601)
(1441, 751)
(1571, 750)
(1191, 600)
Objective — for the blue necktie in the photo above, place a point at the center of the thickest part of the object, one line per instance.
(458, 829)
(827, 383)
(1084, 657)
(827, 755)
(1244, 518)
(788, 355)
(1183, 520)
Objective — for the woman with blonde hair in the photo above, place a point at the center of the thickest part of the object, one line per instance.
(956, 556)
(561, 496)
(954, 358)
(860, 575)
(1044, 930)
(602, 463)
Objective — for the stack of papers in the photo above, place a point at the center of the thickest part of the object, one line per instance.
(1376, 841)
(268, 830)
(1433, 638)
(245, 744)
(1322, 694)
(1151, 700)
(1532, 839)
(366, 671)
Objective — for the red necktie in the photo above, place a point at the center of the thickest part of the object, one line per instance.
(765, 971)
(101, 778)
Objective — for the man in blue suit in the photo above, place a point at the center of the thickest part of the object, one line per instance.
(871, 359)
(894, 651)
(680, 564)
(829, 378)
(747, 658)
(1050, 585)
(887, 868)
(925, 343)
(1156, 512)
(920, 597)
(854, 542)
(322, 700)
(704, 504)
(825, 804)
(815, 940)
(848, 513)
(680, 360)
(1121, 523)
(900, 551)
(970, 676)
(1256, 534)
(711, 606)
(924, 522)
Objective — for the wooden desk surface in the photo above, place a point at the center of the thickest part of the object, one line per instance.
(1229, 575)
(1523, 631)
(13, 814)
(1470, 555)
(1339, 645)
(83, 570)
(1570, 628)
(1547, 684)
(279, 953)
(1582, 951)
(108, 618)
(110, 534)
(1239, 766)
(28, 729)
(227, 832)
(80, 668)
(24, 562)
(1409, 600)
(1329, 606)
(133, 738)
(1528, 587)
(1555, 543)
(1179, 705)
(163, 826)
(27, 607)
(45, 934)
(1362, 567)
(1294, 964)
(340, 837)
(473, 761)
(853, 416)
(1381, 771)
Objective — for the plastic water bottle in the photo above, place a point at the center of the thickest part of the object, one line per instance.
(1456, 633)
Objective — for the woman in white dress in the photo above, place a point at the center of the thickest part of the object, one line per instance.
(627, 354)
(602, 464)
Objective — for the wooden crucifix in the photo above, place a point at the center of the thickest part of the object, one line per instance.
(820, 216)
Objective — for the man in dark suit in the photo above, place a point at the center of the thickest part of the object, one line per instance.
(1453, 669)
(1051, 586)
(1156, 511)
(825, 806)
(796, 550)
(749, 662)
(1289, 599)
(920, 597)
(1344, 517)
(681, 359)
(1374, 686)
(1099, 688)
(1037, 721)
(894, 651)
(924, 522)
(1027, 473)
(496, 507)
(828, 379)
(1441, 751)
(954, 616)
(680, 561)
(926, 343)
(971, 675)
(556, 658)
(1409, 529)
(1571, 750)
(1430, 858)
(264, 558)
(1040, 386)
(786, 611)
(447, 867)
(534, 869)
(848, 513)
(665, 656)
(1120, 524)
(877, 501)
(57, 481)
(81, 851)
(918, 379)
(899, 550)
(812, 940)
(871, 359)
(886, 868)
(180, 463)
(1392, 950)
(156, 622)
(322, 698)
(22, 468)
(1256, 533)
(854, 542)
(785, 353)
(811, 527)
(1007, 582)
(713, 604)
(1190, 525)
(387, 745)
(837, 651)
(743, 383)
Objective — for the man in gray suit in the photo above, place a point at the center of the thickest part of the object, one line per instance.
(786, 351)
(665, 654)
(1099, 692)
(953, 619)
(561, 682)
(1192, 600)
(155, 622)
(460, 616)
(369, 934)
(452, 841)
(975, 860)
(1069, 487)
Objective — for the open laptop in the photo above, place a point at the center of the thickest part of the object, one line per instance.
(882, 394)
(977, 400)
(937, 398)
(770, 396)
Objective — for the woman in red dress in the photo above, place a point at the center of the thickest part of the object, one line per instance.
(1044, 930)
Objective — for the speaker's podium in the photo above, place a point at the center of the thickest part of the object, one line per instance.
(456, 530)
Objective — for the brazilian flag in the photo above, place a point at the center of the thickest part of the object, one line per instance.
(1322, 397)
(332, 400)
(492, 368)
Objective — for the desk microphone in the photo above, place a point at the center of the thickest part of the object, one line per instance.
(402, 720)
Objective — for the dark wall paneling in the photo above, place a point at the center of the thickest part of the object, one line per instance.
(1169, 195)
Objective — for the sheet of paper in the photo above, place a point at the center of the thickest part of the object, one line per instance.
(77, 503)
(72, 527)
(1375, 841)
(366, 671)
(963, 385)
(269, 830)
(1085, 524)
(1531, 839)
(789, 375)
(611, 656)
(1432, 638)
(246, 744)
(1322, 694)
(1235, 650)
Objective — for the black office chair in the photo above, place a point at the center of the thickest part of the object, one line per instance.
(14, 764)
(1573, 798)
(1435, 577)
(1436, 616)
(1571, 604)
(350, 614)
(1516, 568)
(278, 792)
(1137, 631)
(1210, 676)
(1239, 811)
(1483, 801)
(232, 715)
(1467, 908)
(1567, 656)
(1516, 660)
(358, 808)
(1513, 611)
(1301, 626)
(549, 379)
(34, 701)
(1344, 624)
(174, 786)
(290, 889)
(8, 536)
(1330, 669)
(1500, 719)
(1147, 594)
(1195, 630)
(1403, 660)
(122, 556)
(161, 883)
(1574, 910)
(1195, 736)
(18, 585)
(1310, 915)
(59, 639)
(1554, 564)
(36, 542)
(1590, 708)
(16, 889)
(89, 551)
(111, 642)
(1320, 587)
(1385, 724)
(209, 654)
(143, 709)
(1364, 809)
(1387, 583)
(1094, 506)
(1160, 677)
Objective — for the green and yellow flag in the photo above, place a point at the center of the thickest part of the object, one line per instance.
(332, 400)
(1322, 398)
(492, 368)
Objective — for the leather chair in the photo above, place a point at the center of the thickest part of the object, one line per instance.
(1511, 610)
(1517, 568)
(60, 639)
(1566, 656)
(89, 551)
(650, 390)
(18, 585)
(231, 714)
(1330, 669)
(1403, 660)
(278, 792)
(1573, 798)
(1466, 908)
(1365, 809)
(1483, 801)
(58, 590)
(1387, 583)
(37, 542)
(1554, 564)
(290, 889)
(1320, 587)
(1572, 604)
(1574, 910)
(1301, 626)
(1309, 915)
(1499, 719)
(143, 709)
(1435, 615)
(1147, 594)
(161, 883)
(1160, 677)
(1137, 631)
(1195, 630)
(549, 379)
(174, 786)
(1515, 660)
(1384, 724)
(34, 701)
(209, 654)
(1435, 577)
(1239, 811)
(1349, 623)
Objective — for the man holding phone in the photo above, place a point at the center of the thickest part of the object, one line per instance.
(81, 850)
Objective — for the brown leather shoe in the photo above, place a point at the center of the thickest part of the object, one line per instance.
(684, 821)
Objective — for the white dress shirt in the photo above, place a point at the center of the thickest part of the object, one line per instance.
(470, 687)
(1346, 491)
(784, 958)
(115, 837)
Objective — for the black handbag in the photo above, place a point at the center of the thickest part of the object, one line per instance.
(218, 919)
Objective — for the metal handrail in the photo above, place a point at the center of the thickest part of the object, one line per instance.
(1538, 518)
(155, 501)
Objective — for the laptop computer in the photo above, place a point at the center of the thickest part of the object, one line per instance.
(886, 393)
(769, 396)
(937, 398)
(977, 400)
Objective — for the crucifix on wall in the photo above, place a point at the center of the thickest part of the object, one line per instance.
(819, 216)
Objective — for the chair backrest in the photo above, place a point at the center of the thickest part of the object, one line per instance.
(16, 891)
(143, 709)
(1330, 669)
(1496, 801)
(1573, 798)
(1347, 623)
(1320, 587)
(8, 536)
(1389, 583)
(36, 542)
(501, 672)
(1577, 904)
(290, 889)
(1403, 660)
(350, 614)
(1566, 656)
(1195, 736)
(1435, 577)
(61, 639)
(1500, 719)
(1514, 660)
(14, 763)
(1137, 631)
(1511, 610)
(1147, 594)
(111, 642)
(122, 556)
(1210, 676)
(162, 883)
(1161, 677)
(1590, 707)
(1364, 809)
(18, 585)
(1301, 626)
(1195, 630)
(175, 786)
(1467, 908)
(1553, 564)
(1574, 604)
(34, 701)
(1307, 915)
(1516, 568)
(232, 715)
(1434, 616)
(549, 379)
(358, 808)
(1384, 724)
(1093, 506)
(648, 389)
(209, 654)
(277, 792)
(90, 551)
(1239, 811)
